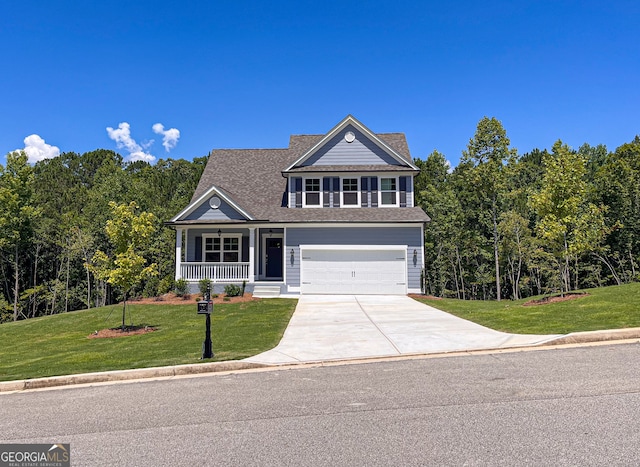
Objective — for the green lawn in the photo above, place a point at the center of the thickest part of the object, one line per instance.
(604, 308)
(58, 345)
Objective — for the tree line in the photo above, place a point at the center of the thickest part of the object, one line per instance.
(504, 225)
(52, 224)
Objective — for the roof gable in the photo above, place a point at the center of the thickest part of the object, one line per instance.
(204, 208)
(351, 143)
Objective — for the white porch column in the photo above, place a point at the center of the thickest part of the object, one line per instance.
(178, 252)
(252, 251)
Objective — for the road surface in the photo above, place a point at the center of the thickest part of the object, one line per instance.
(577, 406)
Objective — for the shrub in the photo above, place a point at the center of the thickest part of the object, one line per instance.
(182, 287)
(204, 285)
(232, 290)
(151, 287)
(166, 285)
(244, 286)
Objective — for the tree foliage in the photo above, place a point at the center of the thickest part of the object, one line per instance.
(55, 214)
(509, 225)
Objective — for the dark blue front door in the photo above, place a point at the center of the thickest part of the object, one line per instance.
(274, 257)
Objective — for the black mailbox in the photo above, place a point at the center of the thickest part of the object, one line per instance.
(205, 307)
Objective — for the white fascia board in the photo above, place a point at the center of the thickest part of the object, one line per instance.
(350, 119)
(313, 225)
(355, 247)
(213, 190)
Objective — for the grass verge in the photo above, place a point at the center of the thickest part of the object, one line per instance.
(58, 345)
(603, 308)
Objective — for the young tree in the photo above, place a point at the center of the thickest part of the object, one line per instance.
(569, 223)
(125, 267)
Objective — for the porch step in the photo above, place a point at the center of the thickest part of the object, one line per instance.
(266, 291)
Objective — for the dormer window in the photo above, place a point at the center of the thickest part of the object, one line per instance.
(389, 191)
(312, 192)
(350, 192)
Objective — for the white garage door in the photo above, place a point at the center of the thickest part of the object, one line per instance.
(370, 271)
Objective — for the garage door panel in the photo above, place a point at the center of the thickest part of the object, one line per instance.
(353, 271)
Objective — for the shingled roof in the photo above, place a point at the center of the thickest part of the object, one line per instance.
(253, 179)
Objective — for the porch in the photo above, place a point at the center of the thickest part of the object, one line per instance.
(216, 272)
(227, 254)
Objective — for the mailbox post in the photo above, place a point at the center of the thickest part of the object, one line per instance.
(205, 307)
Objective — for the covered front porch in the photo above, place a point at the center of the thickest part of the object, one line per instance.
(227, 254)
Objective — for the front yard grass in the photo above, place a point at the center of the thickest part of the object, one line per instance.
(603, 308)
(59, 344)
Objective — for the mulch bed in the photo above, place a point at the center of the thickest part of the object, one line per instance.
(430, 297)
(173, 299)
(556, 299)
(118, 332)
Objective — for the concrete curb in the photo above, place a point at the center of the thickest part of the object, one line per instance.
(217, 367)
(595, 336)
(124, 375)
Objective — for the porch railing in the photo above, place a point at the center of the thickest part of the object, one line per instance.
(217, 272)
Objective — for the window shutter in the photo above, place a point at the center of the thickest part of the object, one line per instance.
(245, 249)
(374, 192)
(326, 188)
(298, 186)
(403, 192)
(364, 188)
(336, 192)
(198, 249)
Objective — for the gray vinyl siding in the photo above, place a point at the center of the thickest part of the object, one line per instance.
(360, 152)
(410, 236)
(205, 212)
(193, 233)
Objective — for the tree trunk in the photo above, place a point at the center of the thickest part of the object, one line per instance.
(66, 288)
(461, 274)
(610, 266)
(124, 309)
(495, 247)
(16, 286)
(35, 280)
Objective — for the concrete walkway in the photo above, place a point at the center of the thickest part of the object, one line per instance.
(340, 327)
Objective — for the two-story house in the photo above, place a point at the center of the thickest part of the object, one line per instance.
(330, 214)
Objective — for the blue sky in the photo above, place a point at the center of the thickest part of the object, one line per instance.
(247, 74)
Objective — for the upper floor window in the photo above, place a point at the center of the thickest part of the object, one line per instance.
(388, 190)
(312, 192)
(350, 192)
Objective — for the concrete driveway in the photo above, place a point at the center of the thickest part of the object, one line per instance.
(339, 327)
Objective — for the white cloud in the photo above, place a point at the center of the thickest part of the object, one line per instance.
(170, 137)
(123, 139)
(37, 150)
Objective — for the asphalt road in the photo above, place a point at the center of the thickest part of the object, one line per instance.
(578, 406)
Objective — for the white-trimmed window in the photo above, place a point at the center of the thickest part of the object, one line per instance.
(223, 249)
(389, 191)
(312, 192)
(350, 192)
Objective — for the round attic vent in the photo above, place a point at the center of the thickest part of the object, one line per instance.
(215, 202)
(349, 137)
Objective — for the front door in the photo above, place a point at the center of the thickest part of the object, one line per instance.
(274, 257)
